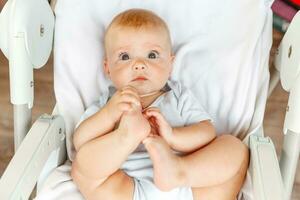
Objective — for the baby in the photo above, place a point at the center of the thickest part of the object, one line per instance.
(151, 139)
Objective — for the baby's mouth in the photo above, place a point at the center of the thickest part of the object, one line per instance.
(140, 78)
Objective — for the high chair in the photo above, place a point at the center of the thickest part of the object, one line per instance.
(26, 39)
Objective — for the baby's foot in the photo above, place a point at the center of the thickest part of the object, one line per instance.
(168, 171)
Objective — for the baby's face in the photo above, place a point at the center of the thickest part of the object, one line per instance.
(139, 58)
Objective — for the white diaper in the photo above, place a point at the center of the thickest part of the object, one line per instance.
(146, 190)
(139, 166)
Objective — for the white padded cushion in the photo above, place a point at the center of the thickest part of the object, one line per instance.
(221, 49)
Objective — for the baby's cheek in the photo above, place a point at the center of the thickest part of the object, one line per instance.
(119, 79)
(161, 80)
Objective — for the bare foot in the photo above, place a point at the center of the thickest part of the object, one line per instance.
(168, 171)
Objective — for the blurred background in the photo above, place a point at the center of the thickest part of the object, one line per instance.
(45, 99)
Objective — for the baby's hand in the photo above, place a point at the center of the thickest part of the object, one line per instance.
(123, 100)
(154, 127)
(159, 124)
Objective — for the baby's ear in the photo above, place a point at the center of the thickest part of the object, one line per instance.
(172, 58)
(105, 67)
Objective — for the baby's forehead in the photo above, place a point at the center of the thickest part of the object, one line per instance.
(135, 30)
(116, 32)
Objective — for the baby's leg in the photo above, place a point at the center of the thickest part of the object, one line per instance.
(225, 191)
(95, 169)
(213, 165)
(117, 186)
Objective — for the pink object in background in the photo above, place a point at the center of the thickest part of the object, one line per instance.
(283, 10)
(296, 2)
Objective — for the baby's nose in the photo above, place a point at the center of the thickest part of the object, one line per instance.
(139, 66)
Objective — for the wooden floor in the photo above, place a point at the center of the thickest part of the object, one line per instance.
(44, 102)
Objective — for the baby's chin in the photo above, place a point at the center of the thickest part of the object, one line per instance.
(143, 90)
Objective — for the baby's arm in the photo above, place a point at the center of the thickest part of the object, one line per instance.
(96, 125)
(100, 157)
(192, 137)
(105, 120)
(183, 139)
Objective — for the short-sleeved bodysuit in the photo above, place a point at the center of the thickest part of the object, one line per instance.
(180, 108)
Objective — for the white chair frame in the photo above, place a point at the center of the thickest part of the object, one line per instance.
(43, 148)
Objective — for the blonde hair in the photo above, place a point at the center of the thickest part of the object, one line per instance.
(137, 19)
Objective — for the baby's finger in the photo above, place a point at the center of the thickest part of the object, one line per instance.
(152, 109)
(155, 123)
(153, 113)
(158, 116)
(148, 116)
(129, 87)
(129, 98)
(144, 114)
(154, 130)
(130, 90)
(153, 120)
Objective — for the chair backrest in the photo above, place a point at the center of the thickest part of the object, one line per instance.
(221, 48)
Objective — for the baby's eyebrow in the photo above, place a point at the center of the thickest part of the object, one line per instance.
(156, 46)
(124, 48)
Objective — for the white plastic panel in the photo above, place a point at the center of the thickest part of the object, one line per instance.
(288, 59)
(264, 167)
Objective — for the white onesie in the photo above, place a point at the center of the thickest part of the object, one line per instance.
(180, 108)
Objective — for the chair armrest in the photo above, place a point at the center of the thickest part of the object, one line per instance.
(46, 135)
(264, 168)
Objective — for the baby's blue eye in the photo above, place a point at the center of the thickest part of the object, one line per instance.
(153, 55)
(124, 56)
